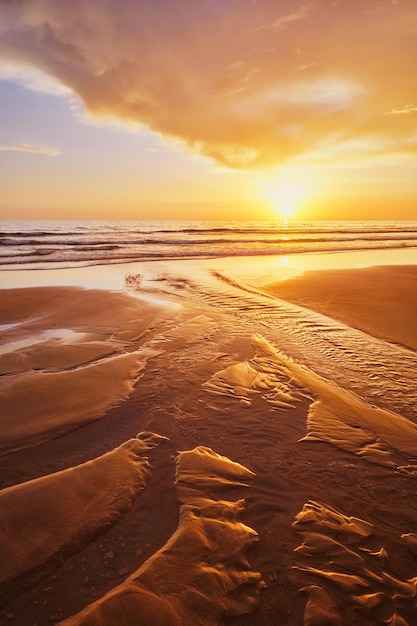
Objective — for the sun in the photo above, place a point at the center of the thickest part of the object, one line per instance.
(285, 197)
(286, 212)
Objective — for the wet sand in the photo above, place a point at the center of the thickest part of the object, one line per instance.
(207, 452)
(381, 301)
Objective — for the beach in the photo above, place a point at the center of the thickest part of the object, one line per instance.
(208, 313)
(208, 443)
(381, 301)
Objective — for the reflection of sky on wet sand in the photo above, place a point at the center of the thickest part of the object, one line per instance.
(62, 334)
(7, 326)
(267, 269)
(260, 270)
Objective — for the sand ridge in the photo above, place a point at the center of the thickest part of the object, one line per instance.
(61, 511)
(337, 545)
(243, 380)
(336, 416)
(202, 573)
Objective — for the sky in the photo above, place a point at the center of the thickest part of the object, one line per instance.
(208, 109)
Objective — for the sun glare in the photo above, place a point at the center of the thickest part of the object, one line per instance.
(287, 211)
(285, 198)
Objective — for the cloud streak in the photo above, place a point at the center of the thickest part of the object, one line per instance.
(408, 108)
(210, 75)
(41, 150)
(285, 20)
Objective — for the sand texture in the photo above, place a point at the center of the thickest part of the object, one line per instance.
(42, 517)
(202, 572)
(78, 344)
(273, 480)
(335, 549)
(381, 301)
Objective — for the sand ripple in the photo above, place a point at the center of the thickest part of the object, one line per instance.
(336, 416)
(382, 372)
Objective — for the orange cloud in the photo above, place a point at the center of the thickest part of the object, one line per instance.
(212, 75)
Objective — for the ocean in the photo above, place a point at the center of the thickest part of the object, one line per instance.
(59, 244)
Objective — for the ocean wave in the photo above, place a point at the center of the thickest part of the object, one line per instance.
(46, 245)
(282, 238)
(302, 228)
(48, 259)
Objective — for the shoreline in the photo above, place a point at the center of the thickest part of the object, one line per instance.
(261, 269)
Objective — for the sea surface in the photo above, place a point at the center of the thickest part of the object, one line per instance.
(59, 244)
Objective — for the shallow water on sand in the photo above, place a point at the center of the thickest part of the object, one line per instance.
(379, 371)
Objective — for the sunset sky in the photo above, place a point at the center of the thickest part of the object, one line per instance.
(208, 109)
